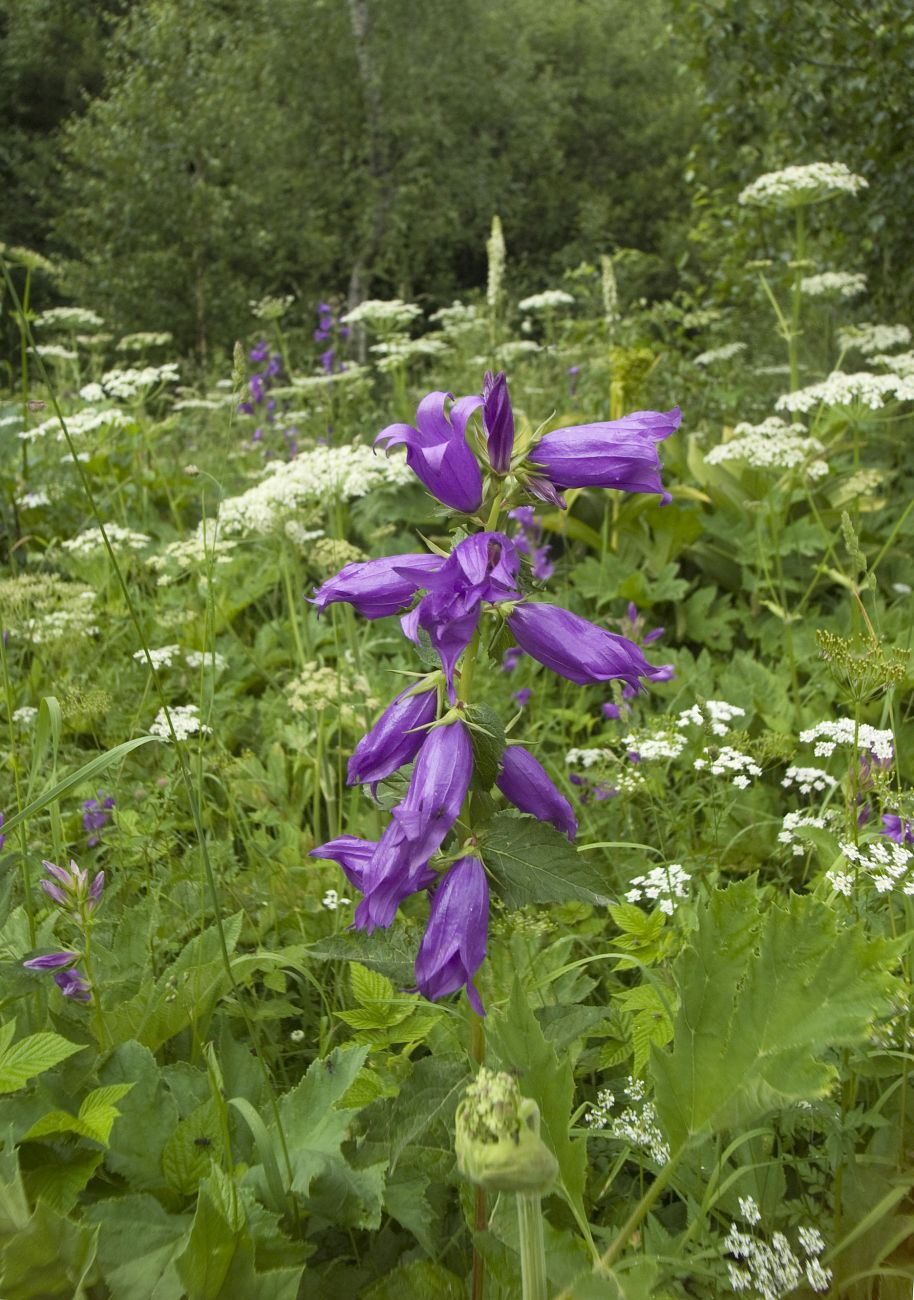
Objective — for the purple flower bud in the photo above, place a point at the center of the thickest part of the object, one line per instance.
(95, 891)
(454, 944)
(575, 648)
(541, 565)
(352, 854)
(377, 588)
(437, 450)
(498, 420)
(511, 658)
(274, 365)
(54, 892)
(61, 874)
(96, 816)
(617, 454)
(524, 781)
(394, 739)
(53, 961)
(611, 711)
(327, 361)
(257, 389)
(897, 828)
(523, 696)
(437, 788)
(260, 351)
(72, 985)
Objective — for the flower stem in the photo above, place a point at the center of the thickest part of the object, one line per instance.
(532, 1246)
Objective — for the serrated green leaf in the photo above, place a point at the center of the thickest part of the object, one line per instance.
(762, 998)
(31, 1056)
(487, 735)
(420, 1278)
(138, 1245)
(392, 952)
(51, 1257)
(369, 986)
(149, 1115)
(426, 1102)
(531, 862)
(95, 1119)
(193, 1146)
(60, 1183)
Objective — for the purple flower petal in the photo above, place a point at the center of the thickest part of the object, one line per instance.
(498, 421)
(352, 854)
(617, 454)
(454, 944)
(53, 961)
(437, 450)
(394, 739)
(377, 588)
(524, 781)
(575, 648)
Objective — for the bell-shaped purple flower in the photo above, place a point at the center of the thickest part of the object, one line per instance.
(395, 870)
(52, 961)
(72, 985)
(454, 944)
(897, 828)
(351, 853)
(376, 588)
(524, 781)
(437, 450)
(437, 788)
(482, 567)
(395, 738)
(575, 648)
(498, 420)
(615, 454)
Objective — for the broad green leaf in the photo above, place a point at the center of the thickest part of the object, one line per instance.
(95, 1119)
(50, 1257)
(149, 1116)
(137, 1247)
(30, 1056)
(420, 1278)
(426, 1101)
(192, 1148)
(392, 952)
(488, 743)
(60, 1183)
(531, 862)
(762, 998)
(369, 986)
(519, 1042)
(204, 1264)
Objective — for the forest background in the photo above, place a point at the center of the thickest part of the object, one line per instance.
(179, 158)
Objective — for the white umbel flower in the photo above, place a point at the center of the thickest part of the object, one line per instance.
(796, 186)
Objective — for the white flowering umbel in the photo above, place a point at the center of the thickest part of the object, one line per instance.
(901, 363)
(185, 718)
(715, 714)
(883, 865)
(88, 420)
(726, 352)
(121, 539)
(772, 445)
(663, 886)
(317, 476)
(68, 318)
(797, 186)
(723, 761)
(869, 339)
(768, 1270)
(827, 736)
(839, 389)
(383, 315)
(795, 821)
(833, 284)
(808, 779)
(635, 1125)
(162, 657)
(548, 300)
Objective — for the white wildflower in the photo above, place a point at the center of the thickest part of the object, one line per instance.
(546, 301)
(655, 745)
(332, 900)
(54, 352)
(69, 318)
(25, 715)
(587, 757)
(33, 500)
(868, 338)
(515, 348)
(807, 779)
(496, 254)
(795, 821)
(185, 719)
(844, 731)
(163, 657)
(724, 353)
(272, 307)
(811, 1240)
(902, 588)
(662, 885)
(749, 1210)
(385, 315)
(723, 761)
(771, 445)
(716, 714)
(88, 420)
(90, 540)
(840, 389)
(900, 363)
(797, 185)
(839, 284)
(127, 384)
(883, 863)
(144, 339)
(457, 318)
(205, 659)
(297, 1036)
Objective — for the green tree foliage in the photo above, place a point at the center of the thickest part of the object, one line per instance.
(327, 146)
(790, 81)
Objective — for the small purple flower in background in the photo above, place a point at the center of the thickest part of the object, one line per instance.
(614, 712)
(526, 539)
(96, 816)
(259, 352)
(327, 361)
(525, 782)
(511, 658)
(523, 696)
(573, 372)
(437, 450)
(68, 980)
(498, 420)
(454, 944)
(897, 828)
(618, 454)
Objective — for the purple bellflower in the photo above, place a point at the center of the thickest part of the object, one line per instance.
(437, 788)
(395, 739)
(437, 450)
(352, 854)
(575, 648)
(454, 944)
(96, 816)
(524, 781)
(70, 888)
(68, 980)
(615, 454)
(498, 420)
(376, 588)
(526, 539)
(481, 568)
(897, 828)
(52, 961)
(523, 696)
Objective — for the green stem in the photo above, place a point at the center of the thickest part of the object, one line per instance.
(532, 1246)
(793, 338)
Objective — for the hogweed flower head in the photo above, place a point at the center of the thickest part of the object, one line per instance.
(797, 186)
(497, 1137)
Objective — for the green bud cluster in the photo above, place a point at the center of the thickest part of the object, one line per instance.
(497, 1141)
